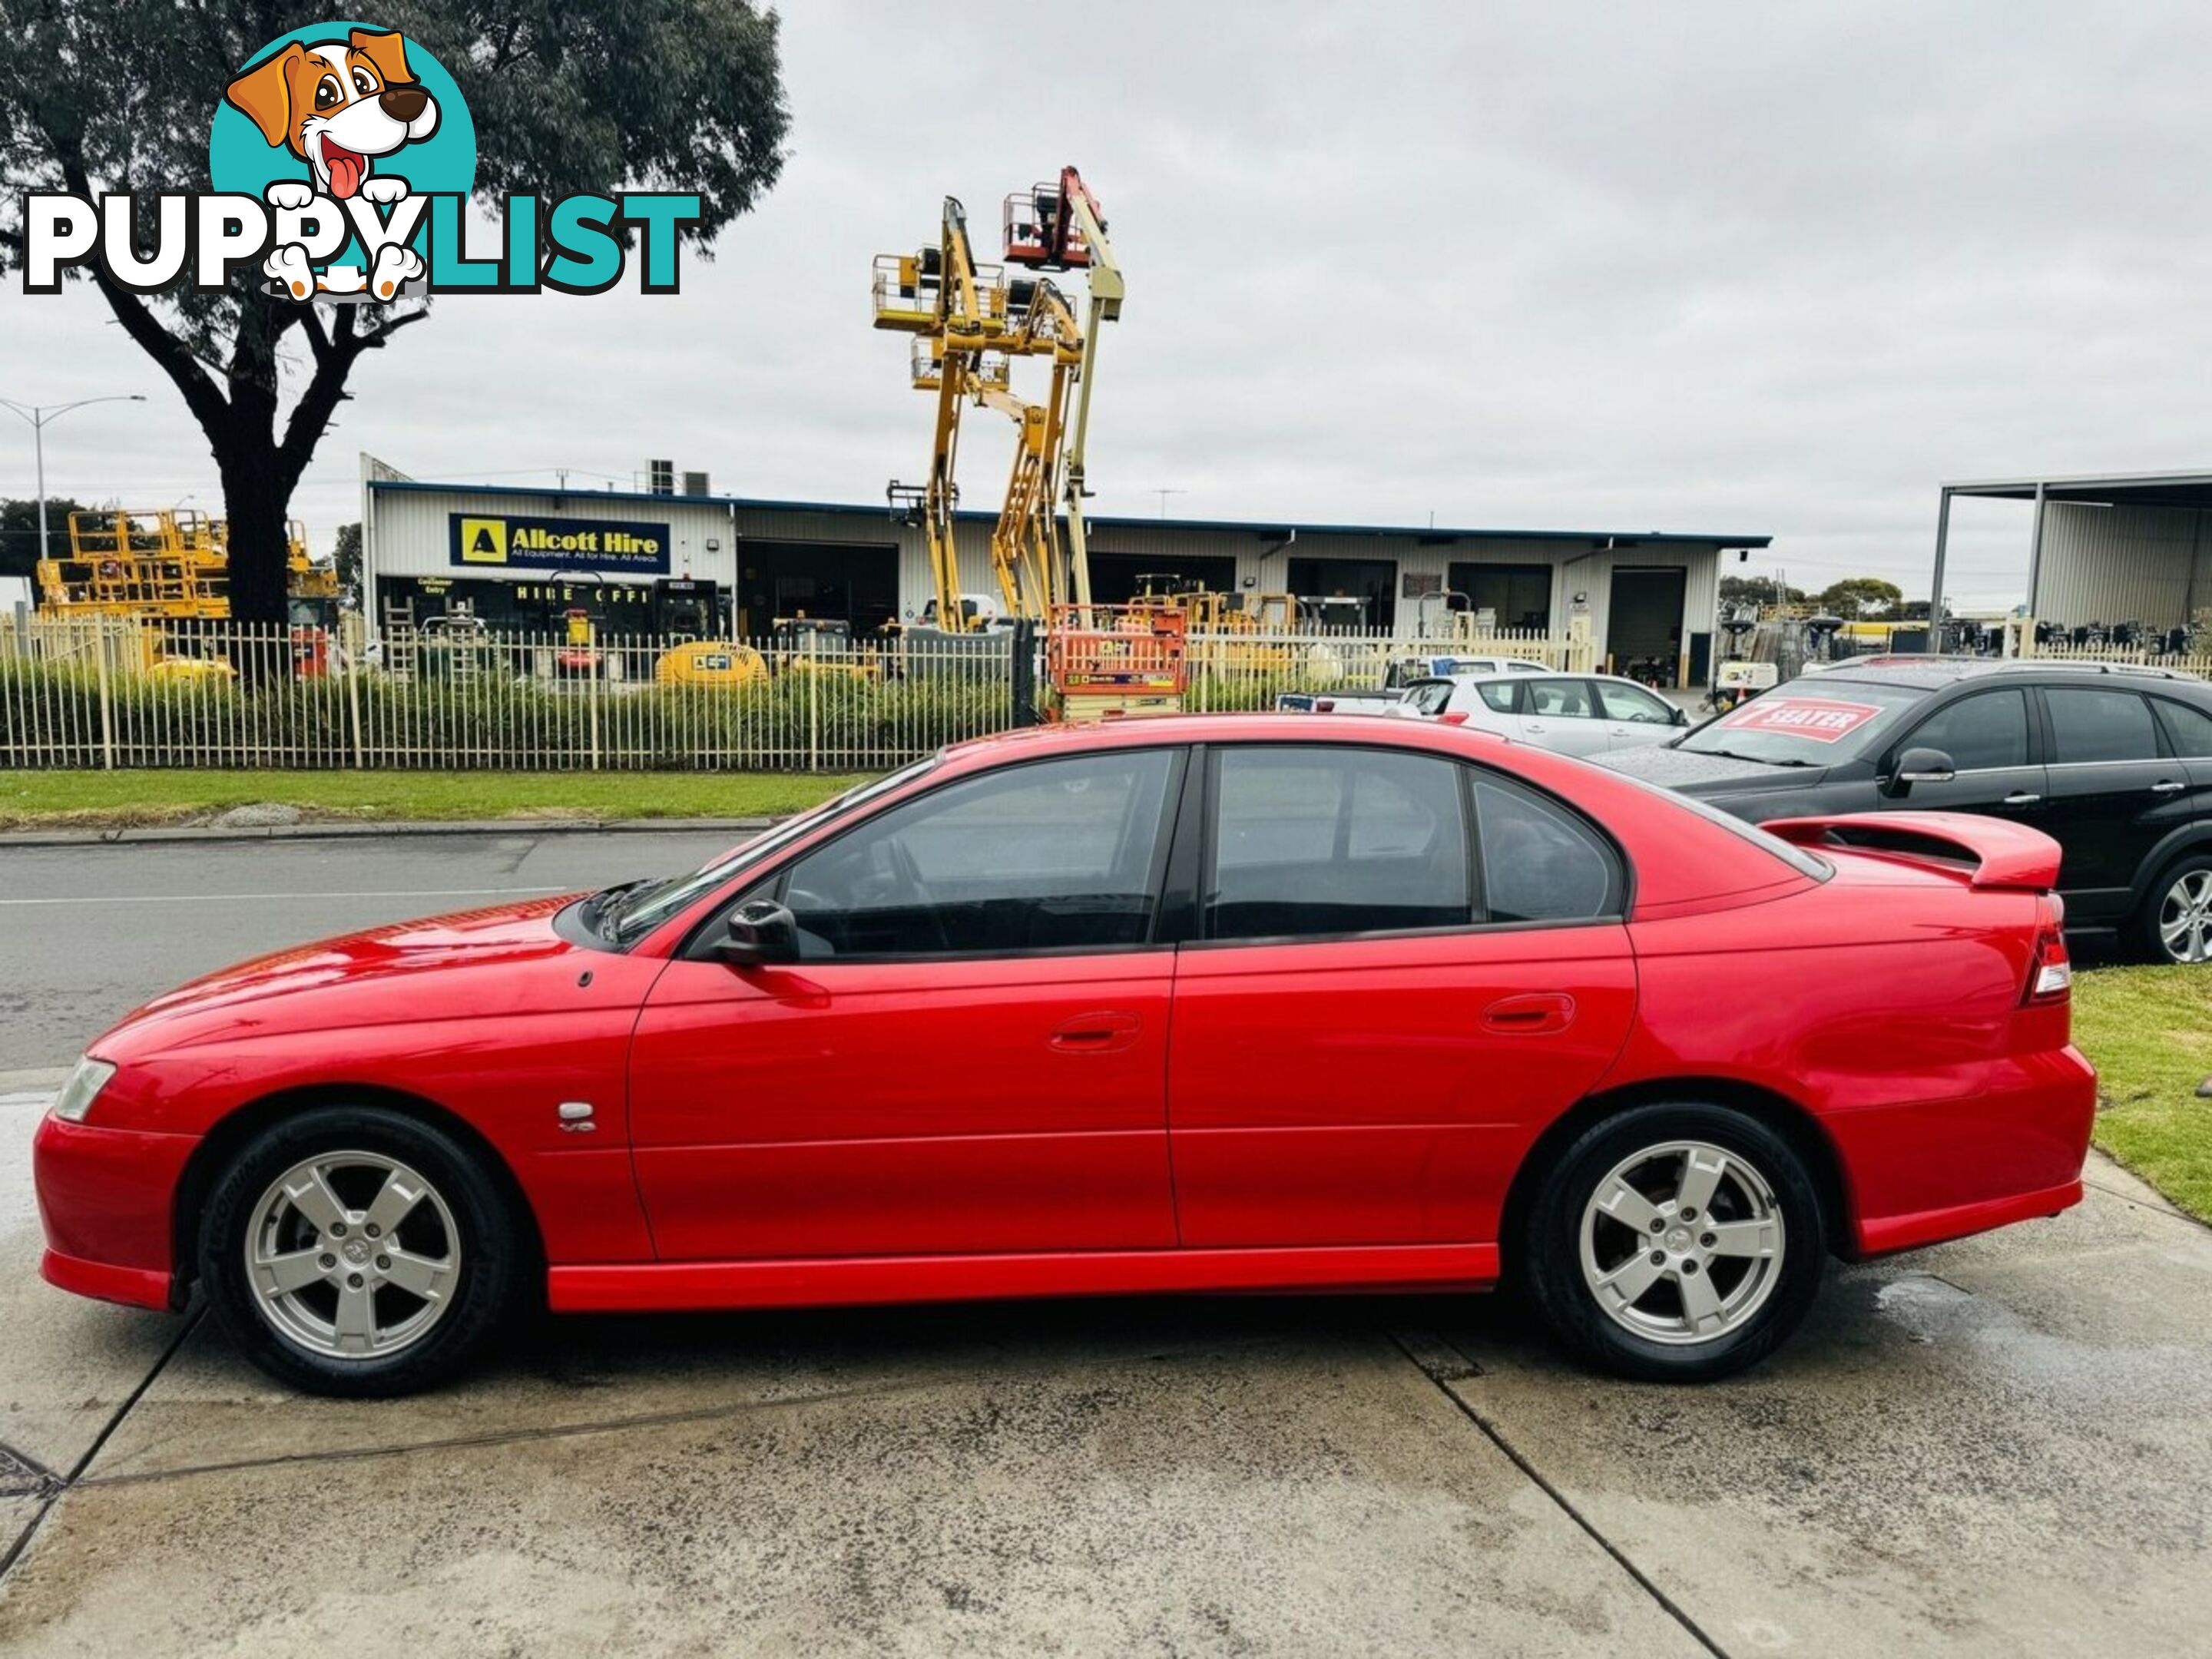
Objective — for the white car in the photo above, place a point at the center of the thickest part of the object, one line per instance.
(1405, 674)
(1410, 670)
(1338, 702)
(1568, 713)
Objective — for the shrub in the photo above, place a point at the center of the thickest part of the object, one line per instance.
(50, 715)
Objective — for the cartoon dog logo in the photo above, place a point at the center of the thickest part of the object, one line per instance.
(338, 106)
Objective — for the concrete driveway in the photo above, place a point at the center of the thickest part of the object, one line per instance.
(1998, 1446)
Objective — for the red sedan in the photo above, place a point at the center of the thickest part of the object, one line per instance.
(1224, 1003)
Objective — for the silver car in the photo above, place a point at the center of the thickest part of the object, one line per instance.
(1569, 713)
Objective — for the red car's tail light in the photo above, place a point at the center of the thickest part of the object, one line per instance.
(2051, 978)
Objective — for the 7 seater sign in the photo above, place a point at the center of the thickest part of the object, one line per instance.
(533, 543)
(1823, 719)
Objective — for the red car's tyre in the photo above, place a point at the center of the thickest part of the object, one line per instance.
(356, 1251)
(1675, 1244)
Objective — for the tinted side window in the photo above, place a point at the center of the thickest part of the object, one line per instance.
(1559, 699)
(2187, 728)
(1497, 694)
(1989, 729)
(1055, 854)
(1540, 862)
(1343, 840)
(1633, 702)
(2099, 725)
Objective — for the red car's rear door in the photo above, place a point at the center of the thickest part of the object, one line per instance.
(970, 1054)
(1374, 1026)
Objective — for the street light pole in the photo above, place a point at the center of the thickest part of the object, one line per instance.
(36, 416)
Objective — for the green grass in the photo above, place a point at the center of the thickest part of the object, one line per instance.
(2149, 1032)
(62, 800)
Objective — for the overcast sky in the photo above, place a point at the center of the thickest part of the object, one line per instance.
(1693, 267)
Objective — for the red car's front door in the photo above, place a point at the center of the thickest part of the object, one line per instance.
(969, 1055)
(1378, 1023)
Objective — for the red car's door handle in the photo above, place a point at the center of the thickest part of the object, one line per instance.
(1531, 1014)
(1101, 1033)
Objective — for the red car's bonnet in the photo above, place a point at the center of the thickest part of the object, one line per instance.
(260, 991)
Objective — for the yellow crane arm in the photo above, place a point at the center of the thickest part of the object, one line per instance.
(1025, 544)
(1023, 582)
(1025, 541)
(963, 313)
(960, 332)
(1106, 292)
(942, 495)
(956, 309)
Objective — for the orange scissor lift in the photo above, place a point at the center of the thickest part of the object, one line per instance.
(1115, 659)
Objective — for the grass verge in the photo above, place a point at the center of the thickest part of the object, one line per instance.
(2149, 1032)
(68, 799)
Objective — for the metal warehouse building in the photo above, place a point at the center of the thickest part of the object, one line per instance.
(724, 565)
(2112, 548)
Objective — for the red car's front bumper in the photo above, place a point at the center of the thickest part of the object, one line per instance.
(104, 1196)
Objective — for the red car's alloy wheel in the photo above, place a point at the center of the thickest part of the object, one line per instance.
(352, 1254)
(361, 1251)
(1682, 1243)
(1676, 1242)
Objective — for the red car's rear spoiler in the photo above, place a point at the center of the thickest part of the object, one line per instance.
(2005, 854)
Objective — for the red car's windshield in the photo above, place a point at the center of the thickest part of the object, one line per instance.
(628, 914)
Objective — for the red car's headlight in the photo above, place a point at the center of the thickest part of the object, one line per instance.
(83, 1088)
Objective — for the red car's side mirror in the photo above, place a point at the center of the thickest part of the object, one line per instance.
(760, 933)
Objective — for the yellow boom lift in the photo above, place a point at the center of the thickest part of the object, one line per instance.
(958, 311)
(1057, 226)
(969, 322)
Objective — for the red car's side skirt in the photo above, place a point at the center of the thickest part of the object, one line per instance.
(135, 1287)
(673, 1285)
(1886, 1234)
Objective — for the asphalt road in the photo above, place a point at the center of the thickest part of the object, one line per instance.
(1996, 1447)
(89, 932)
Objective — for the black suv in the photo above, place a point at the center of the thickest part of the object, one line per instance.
(2112, 762)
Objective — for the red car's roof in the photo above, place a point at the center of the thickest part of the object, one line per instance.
(1222, 728)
